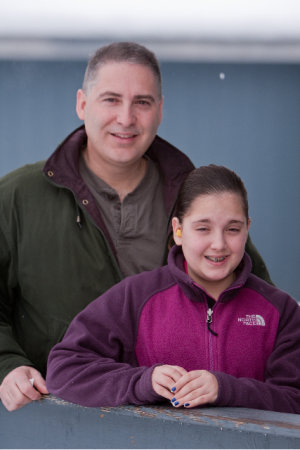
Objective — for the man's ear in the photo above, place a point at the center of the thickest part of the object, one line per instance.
(80, 104)
(176, 231)
(161, 109)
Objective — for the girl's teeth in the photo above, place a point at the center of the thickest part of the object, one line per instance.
(216, 259)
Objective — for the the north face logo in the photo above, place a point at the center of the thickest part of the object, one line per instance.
(252, 319)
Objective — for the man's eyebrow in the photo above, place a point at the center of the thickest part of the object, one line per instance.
(145, 97)
(136, 97)
(109, 94)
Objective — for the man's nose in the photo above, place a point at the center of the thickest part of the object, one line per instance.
(126, 116)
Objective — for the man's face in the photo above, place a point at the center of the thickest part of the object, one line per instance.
(122, 111)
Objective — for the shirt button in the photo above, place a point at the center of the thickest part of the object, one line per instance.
(85, 202)
(50, 173)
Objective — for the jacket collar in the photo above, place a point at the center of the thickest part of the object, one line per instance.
(63, 165)
(62, 168)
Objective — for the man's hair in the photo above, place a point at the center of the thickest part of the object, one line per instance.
(207, 180)
(121, 52)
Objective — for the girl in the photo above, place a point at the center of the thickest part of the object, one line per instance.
(200, 331)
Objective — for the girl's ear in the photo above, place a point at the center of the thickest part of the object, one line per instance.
(249, 223)
(176, 231)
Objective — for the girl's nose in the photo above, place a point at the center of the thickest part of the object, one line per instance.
(218, 241)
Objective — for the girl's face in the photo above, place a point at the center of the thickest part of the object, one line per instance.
(214, 232)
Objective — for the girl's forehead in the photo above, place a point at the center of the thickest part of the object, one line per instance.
(215, 203)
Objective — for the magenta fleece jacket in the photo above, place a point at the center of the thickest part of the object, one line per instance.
(110, 349)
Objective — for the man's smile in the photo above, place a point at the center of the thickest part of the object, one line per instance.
(124, 135)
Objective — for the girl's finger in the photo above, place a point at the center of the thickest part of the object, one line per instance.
(164, 377)
(183, 385)
(161, 390)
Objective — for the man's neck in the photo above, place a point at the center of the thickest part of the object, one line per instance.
(123, 179)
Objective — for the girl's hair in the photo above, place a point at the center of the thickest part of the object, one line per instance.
(210, 179)
(121, 52)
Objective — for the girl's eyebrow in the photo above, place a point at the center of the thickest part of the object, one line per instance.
(208, 221)
(236, 221)
(201, 221)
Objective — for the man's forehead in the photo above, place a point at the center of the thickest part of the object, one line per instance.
(120, 66)
(112, 71)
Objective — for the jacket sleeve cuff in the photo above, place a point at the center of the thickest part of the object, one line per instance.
(225, 389)
(144, 389)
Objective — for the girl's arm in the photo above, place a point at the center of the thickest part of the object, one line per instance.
(95, 364)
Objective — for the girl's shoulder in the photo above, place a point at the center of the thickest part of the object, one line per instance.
(280, 299)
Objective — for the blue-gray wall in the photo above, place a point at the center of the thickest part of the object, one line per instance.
(248, 121)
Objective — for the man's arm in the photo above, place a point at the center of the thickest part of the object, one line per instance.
(16, 369)
(259, 267)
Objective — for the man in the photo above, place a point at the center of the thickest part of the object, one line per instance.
(96, 211)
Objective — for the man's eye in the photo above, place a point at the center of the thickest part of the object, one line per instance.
(111, 100)
(143, 102)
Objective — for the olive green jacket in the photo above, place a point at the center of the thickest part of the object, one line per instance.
(55, 254)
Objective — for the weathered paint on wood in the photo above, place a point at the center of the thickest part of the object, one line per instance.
(53, 423)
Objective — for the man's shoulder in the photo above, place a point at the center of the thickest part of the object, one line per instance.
(169, 156)
(161, 143)
(22, 174)
(24, 179)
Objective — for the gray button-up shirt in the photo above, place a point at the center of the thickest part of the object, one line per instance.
(137, 225)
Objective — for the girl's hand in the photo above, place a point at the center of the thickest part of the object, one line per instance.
(165, 377)
(195, 388)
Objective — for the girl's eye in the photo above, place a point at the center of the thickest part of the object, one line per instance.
(202, 229)
(234, 230)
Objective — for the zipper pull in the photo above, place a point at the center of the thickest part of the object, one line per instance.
(209, 315)
(209, 321)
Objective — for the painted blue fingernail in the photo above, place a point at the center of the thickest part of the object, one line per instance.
(186, 404)
(173, 389)
(173, 400)
(176, 403)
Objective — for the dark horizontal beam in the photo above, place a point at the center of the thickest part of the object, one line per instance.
(283, 51)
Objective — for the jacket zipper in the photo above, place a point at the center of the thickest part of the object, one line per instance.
(209, 321)
(211, 333)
